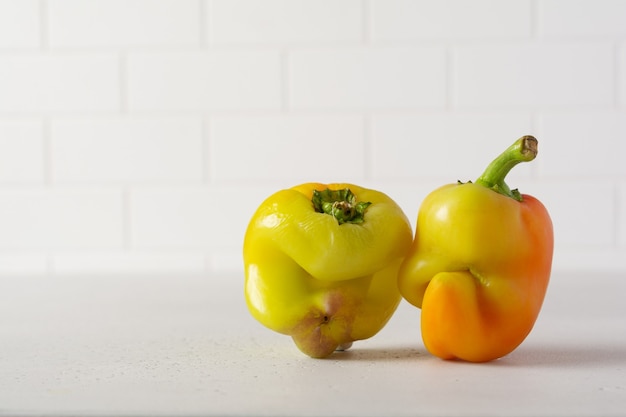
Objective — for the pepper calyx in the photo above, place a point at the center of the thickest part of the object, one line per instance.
(341, 204)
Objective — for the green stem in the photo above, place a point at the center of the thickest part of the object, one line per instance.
(523, 150)
(341, 204)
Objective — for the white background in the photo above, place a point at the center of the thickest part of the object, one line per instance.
(141, 135)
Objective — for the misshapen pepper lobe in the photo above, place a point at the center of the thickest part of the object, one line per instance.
(480, 263)
(321, 264)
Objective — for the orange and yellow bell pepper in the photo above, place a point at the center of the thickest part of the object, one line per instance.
(480, 263)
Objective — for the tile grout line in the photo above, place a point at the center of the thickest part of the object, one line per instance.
(368, 152)
(450, 69)
(366, 23)
(44, 41)
(47, 151)
(206, 150)
(284, 84)
(533, 120)
(534, 20)
(617, 81)
(203, 25)
(123, 82)
(44, 25)
(46, 124)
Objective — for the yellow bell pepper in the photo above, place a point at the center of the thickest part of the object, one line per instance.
(480, 263)
(321, 264)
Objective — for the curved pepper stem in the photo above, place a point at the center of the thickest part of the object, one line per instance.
(523, 150)
(341, 204)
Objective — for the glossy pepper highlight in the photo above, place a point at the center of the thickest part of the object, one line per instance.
(480, 263)
(321, 264)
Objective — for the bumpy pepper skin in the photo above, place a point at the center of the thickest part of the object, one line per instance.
(323, 283)
(479, 269)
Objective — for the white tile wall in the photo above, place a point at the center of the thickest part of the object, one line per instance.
(192, 218)
(19, 263)
(367, 78)
(235, 148)
(44, 83)
(444, 144)
(21, 152)
(535, 75)
(61, 218)
(582, 18)
(620, 76)
(596, 141)
(123, 23)
(573, 214)
(139, 136)
(122, 150)
(204, 80)
(402, 20)
(127, 262)
(19, 24)
(621, 217)
(284, 22)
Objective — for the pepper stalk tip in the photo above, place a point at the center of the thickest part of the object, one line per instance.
(529, 147)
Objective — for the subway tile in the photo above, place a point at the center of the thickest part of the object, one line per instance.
(449, 19)
(205, 81)
(59, 83)
(95, 23)
(19, 24)
(534, 75)
(303, 148)
(226, 263)
(55, 218)
(597, 262)
(582, 144)
(582, 18)
(20, 263)
(129, 262)
(443, 146)
(408, 194)
(127, 150)
(284, 21)
(367, 78)
(583, 212)
(193, 218)
(21, 152)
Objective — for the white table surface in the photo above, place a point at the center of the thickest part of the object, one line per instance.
(186, 345)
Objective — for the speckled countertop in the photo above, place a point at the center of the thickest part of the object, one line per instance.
(186, 345)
